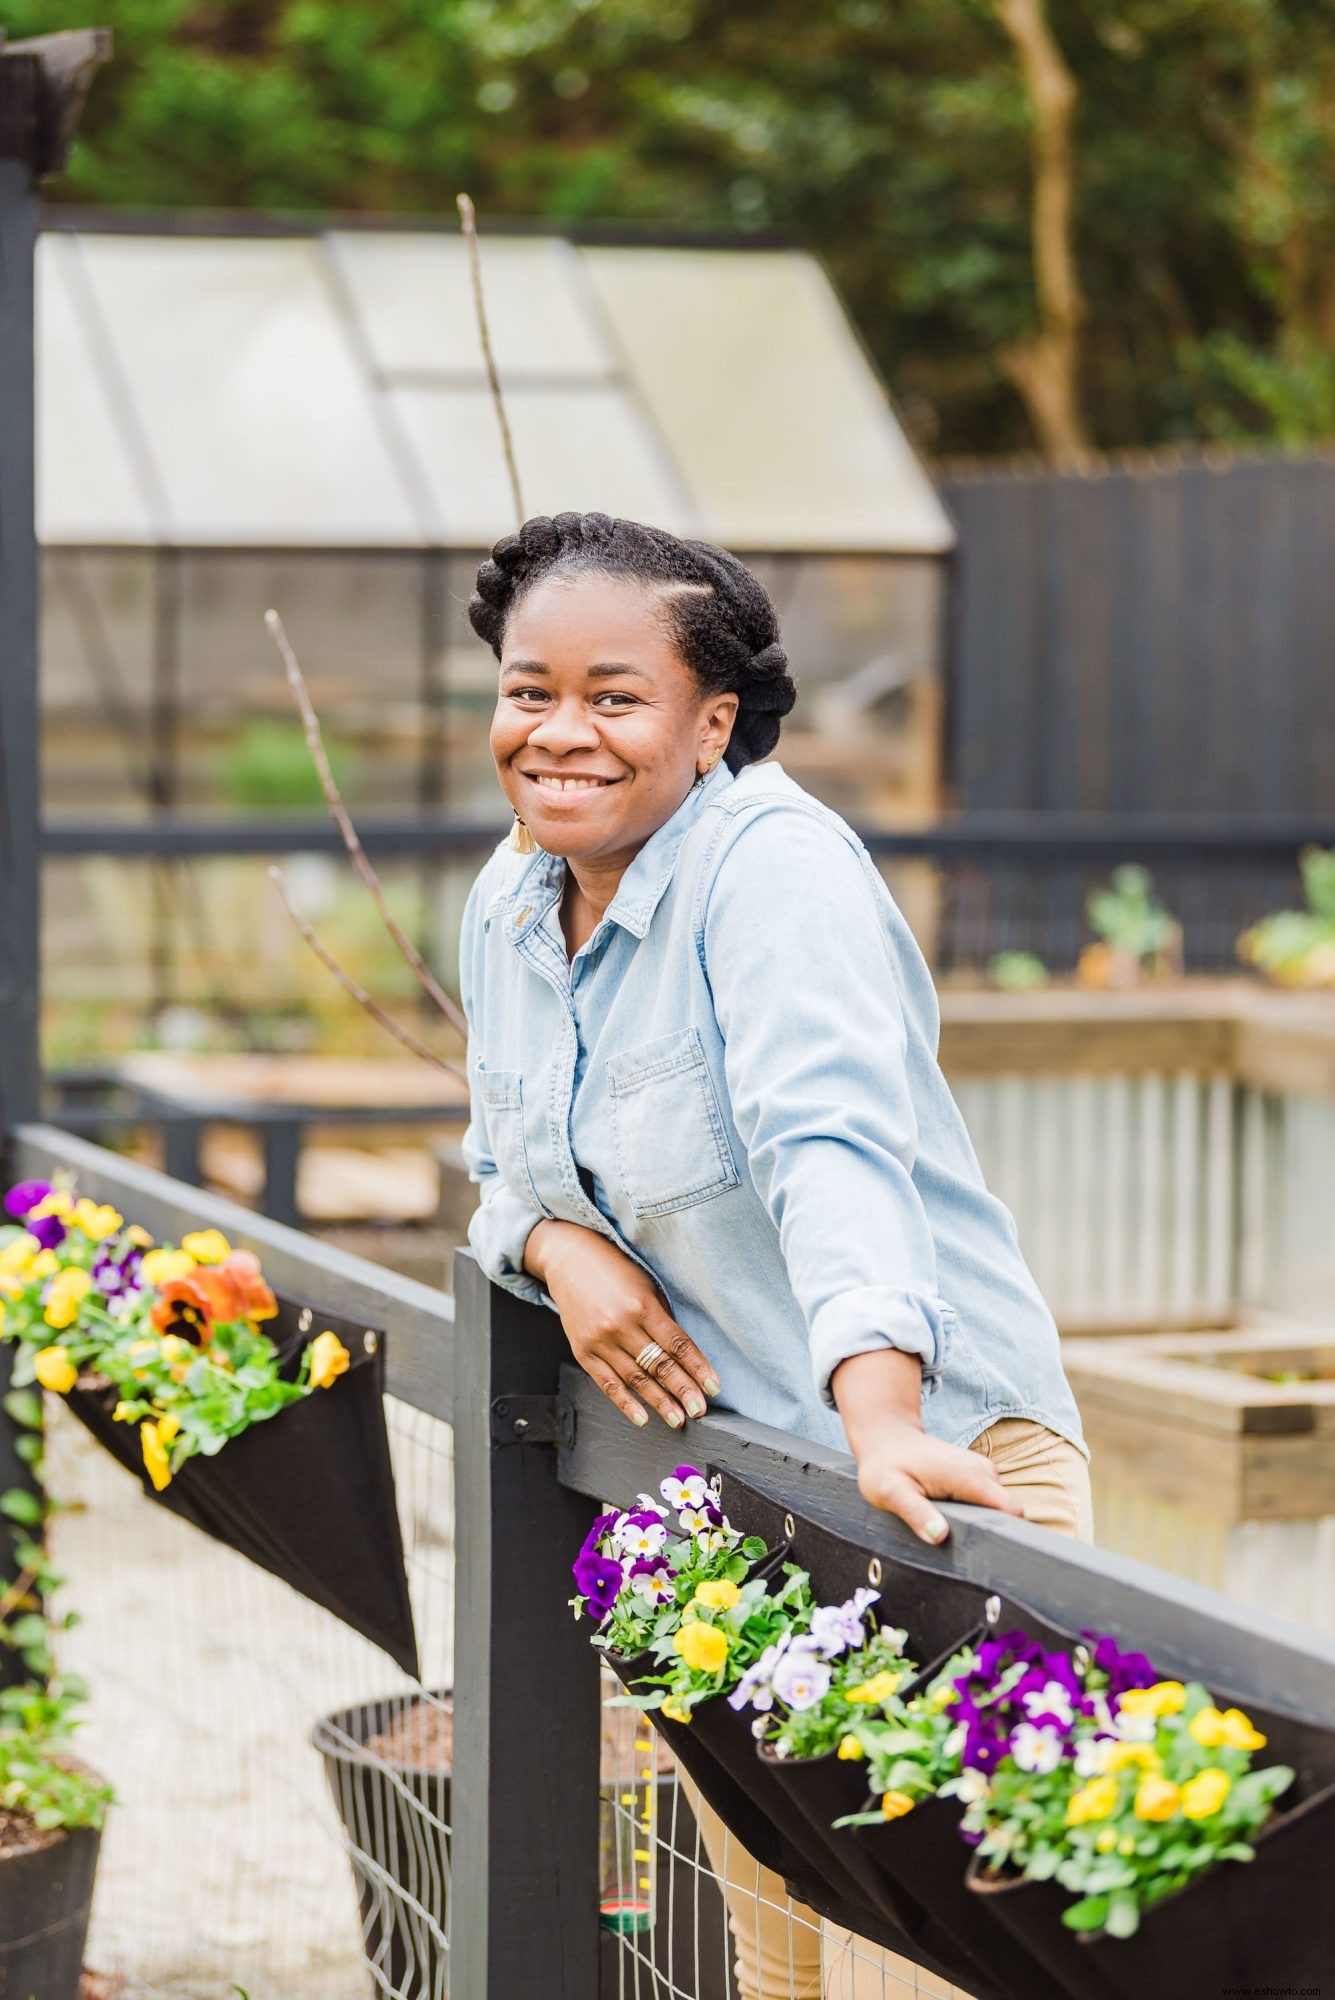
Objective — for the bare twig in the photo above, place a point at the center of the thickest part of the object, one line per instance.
(17, 1592)
(468, 217)
(358, 993)
(343, 820)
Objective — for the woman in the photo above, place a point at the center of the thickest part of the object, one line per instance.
(707, 1119)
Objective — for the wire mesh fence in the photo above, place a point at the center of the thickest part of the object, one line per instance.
(221, 1866)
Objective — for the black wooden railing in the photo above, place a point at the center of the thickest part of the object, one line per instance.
(536, 1446)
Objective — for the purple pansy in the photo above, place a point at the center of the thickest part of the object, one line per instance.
(598, 1580)
(598, 1530)
(25, 1195)
(801, 1678)
(1124, 1670)
(48, 1229)
(114, 1277)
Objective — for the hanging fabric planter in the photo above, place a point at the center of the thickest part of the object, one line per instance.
(307, 1494)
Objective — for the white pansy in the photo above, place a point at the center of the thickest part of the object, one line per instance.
(1036, 1750)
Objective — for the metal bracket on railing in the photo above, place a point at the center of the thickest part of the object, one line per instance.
(532, 1420)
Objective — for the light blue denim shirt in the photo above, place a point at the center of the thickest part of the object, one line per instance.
(743, 1059)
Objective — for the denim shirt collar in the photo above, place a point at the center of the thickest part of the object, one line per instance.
(644, 883)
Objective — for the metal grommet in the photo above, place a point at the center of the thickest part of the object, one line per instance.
(789, 1526)
(371, 1341)
(303, 1324)
(992, 1610)
(874, 1570)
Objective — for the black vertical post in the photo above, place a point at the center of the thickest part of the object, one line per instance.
(19, 768)
(524, 1852)
(41, 89)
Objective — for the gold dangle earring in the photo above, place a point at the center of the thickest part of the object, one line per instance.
(521, 841)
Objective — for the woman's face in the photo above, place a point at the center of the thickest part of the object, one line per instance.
(593, 688)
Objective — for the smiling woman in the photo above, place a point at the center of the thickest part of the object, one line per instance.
(707, 1119)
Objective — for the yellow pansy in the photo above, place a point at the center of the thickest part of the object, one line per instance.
(329, 1360)
(702, 1646)
(206, 1246)
(879, 1688)
(156, 1462)
(1156, 1798)
(1211, 1728)
(54, 1370)
(173, 1348)
(718, 1596)
(44, 1265)
(59, 1202)
(850, 1750)
(1164, 1698)
(674, 1710)
(139, 1236)
(97, 1220)
(162, 1267)
(62, 1301)
(1093, 1801)
(1128, 1757)
(895, 1804)
(1203, 1795)
(1105, 1840)
(124, 1413)
(941, 1697)
(19, 1253)
(169, 1426)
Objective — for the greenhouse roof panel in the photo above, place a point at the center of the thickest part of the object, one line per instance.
(329, 391)
(582, 449)
(242, 381)
(783, 433)
(414, 298)
(88, 486)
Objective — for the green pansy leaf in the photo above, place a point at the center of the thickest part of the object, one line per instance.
(24, 1408)
(1089, 1914)
(1123, 1917)
(20, 1505)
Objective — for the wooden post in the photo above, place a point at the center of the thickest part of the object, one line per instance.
(42, 85)
(524, 1849)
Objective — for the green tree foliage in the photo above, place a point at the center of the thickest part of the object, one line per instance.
(891, 135)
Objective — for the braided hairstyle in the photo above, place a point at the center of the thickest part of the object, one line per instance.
(720, 615)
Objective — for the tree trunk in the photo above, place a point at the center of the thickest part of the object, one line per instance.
(1045, 369)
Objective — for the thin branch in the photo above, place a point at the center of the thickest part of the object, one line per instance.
(358, 993)
(17, 1592)
(343, 820)
(468, 217)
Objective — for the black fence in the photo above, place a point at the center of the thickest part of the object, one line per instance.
(536, 1449)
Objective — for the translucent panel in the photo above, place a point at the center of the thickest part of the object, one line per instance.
(583, 449)
(243, 382)
(87, 489)
(777, 422)
(413, 295)
(97, 655)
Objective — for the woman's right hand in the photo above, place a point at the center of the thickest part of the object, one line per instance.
(611, 1310)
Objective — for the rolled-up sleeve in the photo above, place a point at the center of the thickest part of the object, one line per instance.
(499, 1226)
(806, 995)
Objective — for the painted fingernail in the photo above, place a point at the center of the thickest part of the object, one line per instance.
(712, 1385)
(638, 1417)
(935, 1528)
(674, 1418)
(695, 1406)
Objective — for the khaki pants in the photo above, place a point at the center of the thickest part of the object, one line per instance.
(785, 1951)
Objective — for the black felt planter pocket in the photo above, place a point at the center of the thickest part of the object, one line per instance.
(1268, 1922)
(921, 1859)
(307, 1494)
(716, 1749)
(1029, 1914)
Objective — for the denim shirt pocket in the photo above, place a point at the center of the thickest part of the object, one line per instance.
(668, 1133)
(503, 1094)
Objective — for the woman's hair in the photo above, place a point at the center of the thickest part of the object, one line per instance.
(720, 615)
